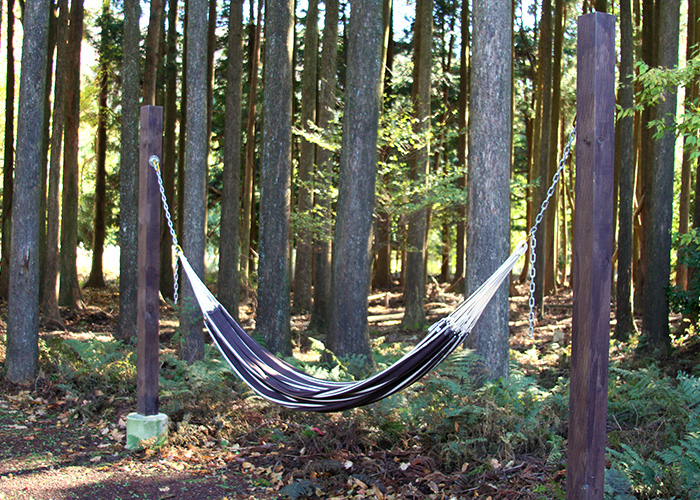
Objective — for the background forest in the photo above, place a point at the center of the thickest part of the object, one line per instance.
(338, 181)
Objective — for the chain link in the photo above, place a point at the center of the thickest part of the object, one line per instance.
(154, 162)
(532, 234)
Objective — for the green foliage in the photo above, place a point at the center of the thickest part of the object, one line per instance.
(687, 302)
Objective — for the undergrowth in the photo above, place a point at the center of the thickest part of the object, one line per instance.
(653, 417)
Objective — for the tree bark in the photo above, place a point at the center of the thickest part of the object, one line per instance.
(320, 315)
(488, 233)
(22, 356)
(347, 333)
(69, 289)
(96, 278)
(659, 196)
(194, 203)
(128, 174)
(625, 158)
(169, 155)
(229, 259)
(248, 194)
(275, 178)
(307, 158)
(8, 159)
(49, 299)
(414, 288)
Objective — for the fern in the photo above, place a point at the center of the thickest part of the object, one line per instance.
(301, 488)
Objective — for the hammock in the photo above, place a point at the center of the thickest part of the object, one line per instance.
(278, 381)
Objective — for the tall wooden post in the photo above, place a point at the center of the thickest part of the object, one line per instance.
(148, 262)
(592, 256)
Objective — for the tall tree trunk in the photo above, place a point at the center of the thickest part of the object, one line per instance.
(660, 193)
(320, 315)
(69, 289)
(414, 289)
(9, 156)
(128, 174)
(550, 245)
(248, 194)
(96, 278)
(194, 203)
(347, 333)
(275, 177)
(49, 299)
(229, 259)
(22, 358)
(155, 23)
(182, 142)
(542, 160)
(691, 94)
(488, 233)
(169, 154)
(462, 143)
(625, 158)
(211, 50)
(307, 158)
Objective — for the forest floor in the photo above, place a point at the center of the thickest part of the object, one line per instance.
(64, 437)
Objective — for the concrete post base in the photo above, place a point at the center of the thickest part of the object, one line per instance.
(146, 431)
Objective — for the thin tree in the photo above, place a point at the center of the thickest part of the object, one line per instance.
(169, 150)
(8, 158)
(96, 278)
(347, 333)
(625, 158)
(276, 163)
(307, 158)
(462, 143)
(320, 314)
(488, 231)
(155, 22)
(660, 193)
(69, 294)
(229, 259)
(22, 356)
(254, 39)
(128, 174)
(49, 299)
(414, 288)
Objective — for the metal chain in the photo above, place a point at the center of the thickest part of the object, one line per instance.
(532, 234)
(154, 162)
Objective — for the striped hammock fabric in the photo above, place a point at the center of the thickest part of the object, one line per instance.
(278, 381)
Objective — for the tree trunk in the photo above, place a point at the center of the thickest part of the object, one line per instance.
(169, 155)
(211, 49)
(182, 142)
(22, 356)
(128, 174)
(307, 158)
(248, 194)
(462, 121)
(488, 233)
(69, 289)
(542, 160)
(275, 177)
(155, 22)
(194, 203)
(8, 160)
(229, 259)
(347, 333)
(660, 193)
(49, 299)
(96, 278)
(320, 315)
(414, 289)
(691, 94)
(625, 158)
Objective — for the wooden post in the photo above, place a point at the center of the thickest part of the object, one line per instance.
(148, 262)
(592, 256)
